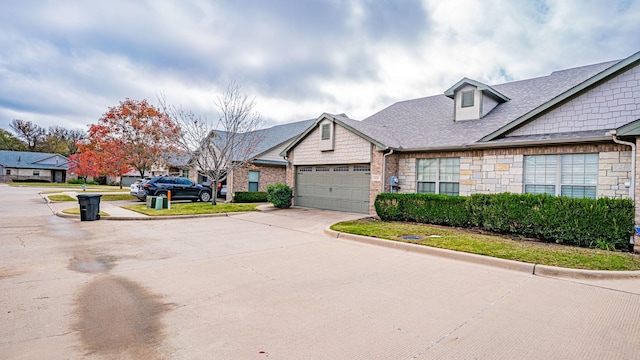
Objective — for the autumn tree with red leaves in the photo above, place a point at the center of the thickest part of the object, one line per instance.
(134, 135)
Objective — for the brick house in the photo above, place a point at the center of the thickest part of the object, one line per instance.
(573, 132)
(265, 166)
(33, 165)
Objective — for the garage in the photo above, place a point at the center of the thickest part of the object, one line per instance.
(334, 187)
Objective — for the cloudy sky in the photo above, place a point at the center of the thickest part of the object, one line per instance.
(65, 62)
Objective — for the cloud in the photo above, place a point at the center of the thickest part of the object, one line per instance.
(68, 62)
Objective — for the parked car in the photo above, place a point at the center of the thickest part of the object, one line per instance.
(181, 189)
(137, 186)
(221, 191)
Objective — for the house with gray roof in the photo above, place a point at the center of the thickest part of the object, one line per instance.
(25, 165)
(265, 166)
(572, 132)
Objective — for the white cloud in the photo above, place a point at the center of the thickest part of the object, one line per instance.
(67, 62)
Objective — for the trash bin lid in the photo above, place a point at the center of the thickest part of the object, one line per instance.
(88, 195)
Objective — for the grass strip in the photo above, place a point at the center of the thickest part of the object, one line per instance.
(525, 250)
(194, 208)
(76, 211)
(61, 197)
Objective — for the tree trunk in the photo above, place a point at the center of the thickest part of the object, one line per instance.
(214, 192)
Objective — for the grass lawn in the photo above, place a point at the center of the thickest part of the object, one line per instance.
(529, 251)
(68, 186)
(117, 197)
(76, 211)
(61, 197)
(193, 208)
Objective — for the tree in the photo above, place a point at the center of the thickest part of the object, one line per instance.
(219, 146)
(132, 134)
(8, 141)
(60, 140)
(31, 133)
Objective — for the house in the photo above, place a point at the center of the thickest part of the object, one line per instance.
(33, 165)
(573, 132)
(265, 166)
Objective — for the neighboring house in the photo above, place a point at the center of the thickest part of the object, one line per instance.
(33, 165)
(573, 133)
(175, 164)
(265, 166)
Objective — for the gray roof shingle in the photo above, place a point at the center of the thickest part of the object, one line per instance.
(428, 123)
(33, 160)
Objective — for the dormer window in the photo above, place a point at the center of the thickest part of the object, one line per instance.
(467, 98)
(464, 94)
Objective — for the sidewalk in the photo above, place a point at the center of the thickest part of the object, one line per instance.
(115, 212)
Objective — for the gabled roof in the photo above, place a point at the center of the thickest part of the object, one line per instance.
(33, 160)
(269, 138)
(578, 89)
(488, 90)
(341, 119)
(428, 123)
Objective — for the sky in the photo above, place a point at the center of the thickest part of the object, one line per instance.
(66, 62)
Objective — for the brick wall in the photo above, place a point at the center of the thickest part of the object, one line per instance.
(268, 175)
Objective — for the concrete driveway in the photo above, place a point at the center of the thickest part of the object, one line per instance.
(272, 285)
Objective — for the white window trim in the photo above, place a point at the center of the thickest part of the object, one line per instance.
(437, 181)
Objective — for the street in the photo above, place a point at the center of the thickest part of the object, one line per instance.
(272, 285)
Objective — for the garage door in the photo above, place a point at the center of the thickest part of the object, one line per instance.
(334, 187)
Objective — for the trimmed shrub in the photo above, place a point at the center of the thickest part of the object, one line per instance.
(604, 223)
(279, 195)
(30, 181)
(80, 181)
(249, 196)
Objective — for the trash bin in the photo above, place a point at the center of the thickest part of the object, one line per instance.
(89, 206)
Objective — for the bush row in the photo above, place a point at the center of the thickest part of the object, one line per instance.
(605, 223)
(249, 196)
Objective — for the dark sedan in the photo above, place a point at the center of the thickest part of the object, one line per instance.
(181, 189)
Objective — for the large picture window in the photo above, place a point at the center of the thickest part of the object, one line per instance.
(439, 176)
(573, 175)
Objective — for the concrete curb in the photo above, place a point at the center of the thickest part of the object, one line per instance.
(534, 269)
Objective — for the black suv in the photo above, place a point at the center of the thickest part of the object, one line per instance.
(181, 189)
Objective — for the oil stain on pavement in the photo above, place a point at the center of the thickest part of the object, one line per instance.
(116, 317)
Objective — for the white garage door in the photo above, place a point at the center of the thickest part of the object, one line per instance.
(334, 187)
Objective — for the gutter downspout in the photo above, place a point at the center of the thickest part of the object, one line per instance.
(384, 169)
(632, 182)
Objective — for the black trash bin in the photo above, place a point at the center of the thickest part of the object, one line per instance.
(89, 206)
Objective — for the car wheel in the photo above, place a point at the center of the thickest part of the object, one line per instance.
(205, 196)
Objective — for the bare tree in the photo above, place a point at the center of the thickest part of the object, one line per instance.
(31, 133)
(219, 146)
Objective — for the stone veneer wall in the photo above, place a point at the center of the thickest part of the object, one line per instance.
(501, 170)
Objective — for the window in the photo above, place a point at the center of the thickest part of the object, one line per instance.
(363, 168)
(439, 176)
(254, 180)
(467, 98)
(185, 173)
(8, 172)
(574, 175)
(326, 132)
(341, 168)
(36, 172)
(322, 168)
(305, 169)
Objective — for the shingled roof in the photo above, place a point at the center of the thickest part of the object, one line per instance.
(428, 123)
(33, 160)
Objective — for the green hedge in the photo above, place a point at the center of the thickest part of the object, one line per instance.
(30, 181)
(605, 223)
(249, 196)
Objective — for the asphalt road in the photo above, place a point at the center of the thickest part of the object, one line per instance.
(272, 285)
